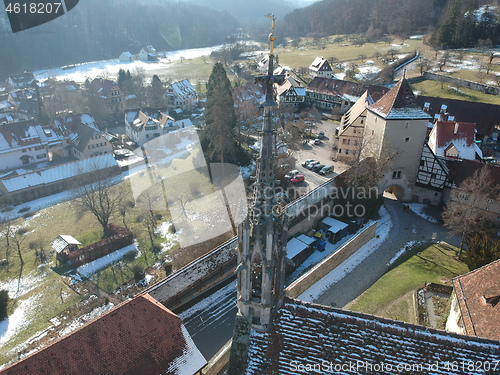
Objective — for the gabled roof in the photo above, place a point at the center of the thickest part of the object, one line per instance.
(478, 295)
(310, 335)
(320, 63)
(355, 111)
(484, 115)
(20, 134)
(62, 241)
(291, 83)
(81, 128)
(26, 77)
(448, 134)
(399, 103)
(139, 336)
(139, 119)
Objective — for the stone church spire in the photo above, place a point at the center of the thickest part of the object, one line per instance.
(262, 236)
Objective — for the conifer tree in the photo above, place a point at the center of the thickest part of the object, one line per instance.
(219, 137)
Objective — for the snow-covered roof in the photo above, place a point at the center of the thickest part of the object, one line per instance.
(182, 89)
(307, 334)
(334, 224)
(58, 173)
(306, 239)
(294, 247)
(62, 241)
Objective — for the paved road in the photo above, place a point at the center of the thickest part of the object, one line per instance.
(406, 226)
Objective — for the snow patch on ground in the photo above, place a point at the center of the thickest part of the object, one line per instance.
(80, 72)
(384, 226)
(90, 268)
(17, 288)
(246, 172)
(19, 320)
(404, 249)
(419, 208)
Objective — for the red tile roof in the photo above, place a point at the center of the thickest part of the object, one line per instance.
(311, 335)
(140, 336)
(475, 290)
(449, 131)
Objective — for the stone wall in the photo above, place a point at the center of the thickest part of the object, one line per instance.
(330, 263)
(462, 83)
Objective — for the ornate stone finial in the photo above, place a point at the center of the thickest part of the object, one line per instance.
(272, 37)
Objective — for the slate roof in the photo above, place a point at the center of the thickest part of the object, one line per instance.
(311, 334)
(320, 63)
(484, 115)
(399, 103)
(139, 336)
(478, 295)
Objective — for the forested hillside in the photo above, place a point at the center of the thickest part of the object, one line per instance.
(400, 17)
(97, 29)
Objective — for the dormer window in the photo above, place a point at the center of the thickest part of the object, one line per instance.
(492, 297)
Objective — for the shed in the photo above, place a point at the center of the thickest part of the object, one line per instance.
(63, 245)
(298, 251)
(334, 229)
(126, 56)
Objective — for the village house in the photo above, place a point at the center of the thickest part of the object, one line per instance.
(108, 93)
(336, 95)
(291, 91)
(148, 53)
(22, 143)
(139, 336)
(85, 138)
(126, 57)
(16, 97)
(16, 188)
(475, 307)
(181, 95)
(144, 125)
(351, 129)
(453, 139)
(21, 80)
(320, 67)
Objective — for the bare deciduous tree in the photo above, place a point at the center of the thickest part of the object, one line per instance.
(464, 212)
(101, 198)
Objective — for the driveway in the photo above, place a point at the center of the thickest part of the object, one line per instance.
(406, 226)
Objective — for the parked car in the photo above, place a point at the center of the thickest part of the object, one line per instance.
(326, 169)
(312, 164)
(317, 167)
(317, 141)
(292, 174)
(307, 161)
(298, 178)
(321, 135)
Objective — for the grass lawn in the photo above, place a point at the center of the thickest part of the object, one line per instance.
(390, 295)
(444, 90)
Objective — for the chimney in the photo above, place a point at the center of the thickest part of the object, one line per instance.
(456, 128)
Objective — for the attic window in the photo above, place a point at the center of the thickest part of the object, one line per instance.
(492, 297)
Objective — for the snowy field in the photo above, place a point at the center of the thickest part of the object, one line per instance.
(384, 226)
(91, 70)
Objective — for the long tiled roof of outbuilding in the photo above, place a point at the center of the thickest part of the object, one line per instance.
(309, 335)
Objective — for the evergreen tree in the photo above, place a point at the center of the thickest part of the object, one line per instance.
(447, 34)
(156, 92)
(481, 251)
(219, 137)
(4, 301)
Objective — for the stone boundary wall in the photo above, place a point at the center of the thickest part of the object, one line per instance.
(462, 83)
(330, 263)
